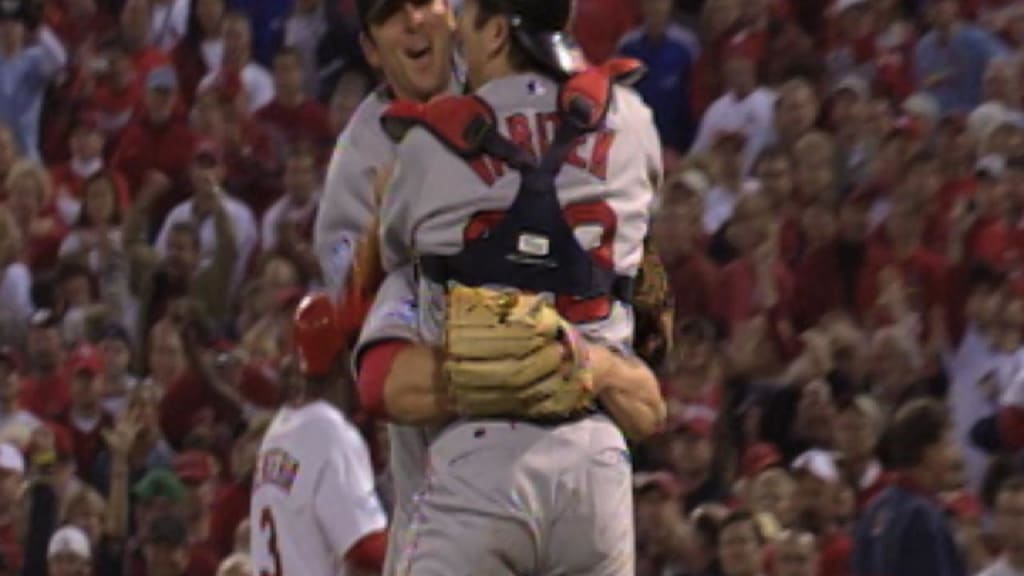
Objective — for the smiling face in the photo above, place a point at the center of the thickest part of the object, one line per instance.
(410, 42)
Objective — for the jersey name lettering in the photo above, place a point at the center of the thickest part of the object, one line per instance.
(277, 468)
(590, 154)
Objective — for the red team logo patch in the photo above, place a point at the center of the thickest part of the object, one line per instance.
(277, 468)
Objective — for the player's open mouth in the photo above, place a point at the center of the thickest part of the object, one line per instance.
(418, 55)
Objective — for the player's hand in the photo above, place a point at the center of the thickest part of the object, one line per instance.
(512, 355)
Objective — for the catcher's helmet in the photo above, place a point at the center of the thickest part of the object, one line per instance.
(317, 335)
(540, 28)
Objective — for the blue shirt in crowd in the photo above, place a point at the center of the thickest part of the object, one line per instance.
(268, 18)
(905, 533)
(23, 81)
(960, 64)
(666, 87)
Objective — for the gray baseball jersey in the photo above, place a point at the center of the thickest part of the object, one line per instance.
(506, 498)
(347, 207)
(394, 316)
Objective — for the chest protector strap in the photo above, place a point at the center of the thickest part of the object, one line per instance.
(532, 248)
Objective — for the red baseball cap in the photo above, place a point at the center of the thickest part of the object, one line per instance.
(195, 466)
(86, 359)
(758, 458)
(742, 45)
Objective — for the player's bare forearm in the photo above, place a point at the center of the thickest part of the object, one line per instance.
(415, 393)
(629, 391)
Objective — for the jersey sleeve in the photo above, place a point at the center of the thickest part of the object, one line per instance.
(345, 501)
(406, 185)
(347, 206)
(395, 313)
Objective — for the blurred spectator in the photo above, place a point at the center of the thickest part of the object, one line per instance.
(663, 535)
(745, 108)
(29, 60)
(166, 550)
(45, 390)
(118, 381)
(816, 507)
(352, 87)
(685, 449)
(326, 42)
(859, 428)
(905, 531)
(85, 419)
(238, 74)
(16, 423)
(600, 24)
(668, 50)
(1009, 517)
(69, 553)
(225, 226)
(288, 225)
(156, 149)
(32, 203)
(87, 144)
(81, 24)
(202, 49)
(796, 554)
(135, 26)
(170, 23)
(12, 471)
(294, 119)
(16, 305)
(795, 113)
(740, 545)
(950, 61)
(268, 23)
(198, 471)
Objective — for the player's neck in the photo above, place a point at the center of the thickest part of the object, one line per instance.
(493, 69)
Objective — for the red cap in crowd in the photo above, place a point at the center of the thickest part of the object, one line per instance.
(195, 466)
(86, 359)
(742, 45)
(758, 458)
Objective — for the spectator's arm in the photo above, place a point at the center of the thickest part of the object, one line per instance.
(54, 57)
(227, 250)
(119, 442)
(43, 511)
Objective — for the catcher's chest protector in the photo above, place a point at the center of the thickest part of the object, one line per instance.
(532, 247)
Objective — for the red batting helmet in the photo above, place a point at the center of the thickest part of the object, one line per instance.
(318, 335)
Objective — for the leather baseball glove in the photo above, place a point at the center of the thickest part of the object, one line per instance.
(512, 355)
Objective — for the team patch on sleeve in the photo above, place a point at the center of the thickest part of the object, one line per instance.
(277, 468)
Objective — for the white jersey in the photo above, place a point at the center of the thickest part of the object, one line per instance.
(606, 188)
(313, 493)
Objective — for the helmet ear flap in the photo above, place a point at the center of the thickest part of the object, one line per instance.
(318, 336)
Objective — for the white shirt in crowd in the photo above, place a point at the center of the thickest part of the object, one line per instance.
(15, 295)
(285, 210)
(313, 493)
(753, 116)
(243, 224)
(169, 23)
(256, 81)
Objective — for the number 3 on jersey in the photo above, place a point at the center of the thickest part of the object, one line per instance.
(269, 527)
(594, 224)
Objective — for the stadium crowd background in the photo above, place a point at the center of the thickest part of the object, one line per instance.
(841, 229)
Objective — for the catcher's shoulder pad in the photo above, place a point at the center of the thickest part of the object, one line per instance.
(459, 122)
(586, 96)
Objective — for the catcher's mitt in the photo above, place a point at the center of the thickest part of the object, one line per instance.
(512, 355)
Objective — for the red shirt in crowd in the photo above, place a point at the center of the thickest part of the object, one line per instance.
(599, 24)
(165, 148)
(190, 395)
(69, 184)
(86, 440)
(818, 286)
(836, 549)
(694, 282)
(46, 398)
(10, 547)
(923, 272)
(737, 289)
(230, 508)
(305, 123)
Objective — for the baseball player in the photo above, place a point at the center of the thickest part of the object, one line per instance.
(314, 508)
(410, 43)
(525, 206)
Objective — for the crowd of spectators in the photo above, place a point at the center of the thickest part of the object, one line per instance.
(842, 230)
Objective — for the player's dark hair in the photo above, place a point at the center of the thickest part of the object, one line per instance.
(916, 427)
(518, 56)
(739, 517)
